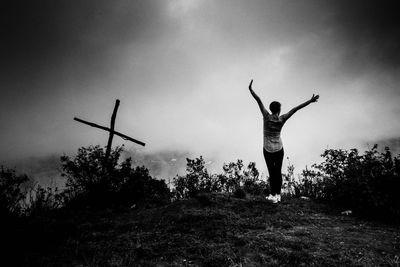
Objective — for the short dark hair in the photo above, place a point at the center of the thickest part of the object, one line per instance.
(275, 107)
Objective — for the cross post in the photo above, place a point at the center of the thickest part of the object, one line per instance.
(111, 131)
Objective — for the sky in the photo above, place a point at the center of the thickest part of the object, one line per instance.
(181, 70)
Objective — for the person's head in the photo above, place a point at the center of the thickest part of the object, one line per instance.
(275, 107)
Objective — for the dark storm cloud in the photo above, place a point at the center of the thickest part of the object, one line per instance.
(369, 31)
(77, 34)
(39, 34)
(51, 28)
(365, 34)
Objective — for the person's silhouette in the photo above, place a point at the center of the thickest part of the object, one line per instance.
(273, 147)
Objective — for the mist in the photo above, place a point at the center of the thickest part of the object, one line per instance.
(181, 70)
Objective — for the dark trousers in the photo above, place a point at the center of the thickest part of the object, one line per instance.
(274, 163)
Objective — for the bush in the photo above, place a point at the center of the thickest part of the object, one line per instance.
(196, 180)
(251, 183)
(86, 173)
(235, 178)
(11, 194)
(90, 183)
(44, 200)
(365, 183)
(20, 197)
(138, 186)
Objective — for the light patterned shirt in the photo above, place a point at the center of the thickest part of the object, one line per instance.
(272, 131)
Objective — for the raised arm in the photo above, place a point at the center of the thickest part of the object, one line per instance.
(257, 98)
(313, 99)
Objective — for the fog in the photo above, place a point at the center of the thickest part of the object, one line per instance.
(181, 70)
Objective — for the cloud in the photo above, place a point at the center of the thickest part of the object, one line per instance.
(181, 70)
(52, 46)
(53, 29)
(370, 30)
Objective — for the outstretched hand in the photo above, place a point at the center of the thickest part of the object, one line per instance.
(314, 98)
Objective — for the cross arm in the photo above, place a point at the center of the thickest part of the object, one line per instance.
(108, 130)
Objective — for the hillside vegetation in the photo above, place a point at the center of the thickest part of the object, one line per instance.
(212, 230)
(116, 214)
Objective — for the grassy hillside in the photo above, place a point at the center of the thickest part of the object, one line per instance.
(210, 230)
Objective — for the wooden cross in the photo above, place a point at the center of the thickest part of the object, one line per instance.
(111, 131)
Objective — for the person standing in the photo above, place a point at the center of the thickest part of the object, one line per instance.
(273, 146)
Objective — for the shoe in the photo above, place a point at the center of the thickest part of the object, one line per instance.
(273, 199)
(269, 197)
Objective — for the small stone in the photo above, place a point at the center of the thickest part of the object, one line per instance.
(346, 212)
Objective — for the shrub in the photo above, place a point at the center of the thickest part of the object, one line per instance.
(235, 178)
(289, 181)
(245, 178)
(86, 173)
(43, 200)
(138, 186)
(90, 183)
(366, 183)
(11, 194)
(233, 172)
(196, 180)
(251, 182)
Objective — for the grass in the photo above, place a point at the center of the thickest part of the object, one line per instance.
(212, 230)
